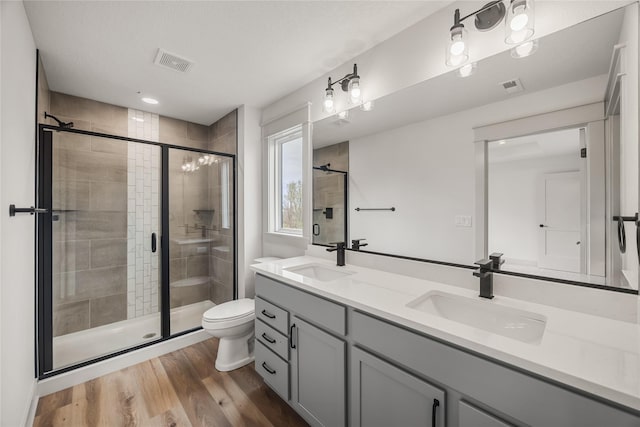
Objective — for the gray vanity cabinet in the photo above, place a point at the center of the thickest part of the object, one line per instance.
(301, 341)
(318, 376)
(470, 416)
(383, 395)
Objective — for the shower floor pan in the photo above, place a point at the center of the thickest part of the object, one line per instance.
(91, 343)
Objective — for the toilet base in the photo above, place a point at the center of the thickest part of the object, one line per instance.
(234, 353)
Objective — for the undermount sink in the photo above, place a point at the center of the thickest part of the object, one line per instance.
(319, 272)
(510, 322)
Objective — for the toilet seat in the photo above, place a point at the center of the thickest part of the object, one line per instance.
(229, 314)
(230, 310)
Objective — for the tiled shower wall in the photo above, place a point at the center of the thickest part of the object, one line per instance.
(328, 191)
(102, 293)
(143, 208)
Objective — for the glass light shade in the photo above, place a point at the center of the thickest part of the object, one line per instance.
(367, 106)
(355, 93)
(519, 22)
(525, 49)
(458, 47)
(328, 105)
(467, 69)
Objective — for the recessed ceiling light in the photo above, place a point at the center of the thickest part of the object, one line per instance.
(150, 101)
(502, 142)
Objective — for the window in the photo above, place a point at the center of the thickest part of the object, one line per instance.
(286, 167)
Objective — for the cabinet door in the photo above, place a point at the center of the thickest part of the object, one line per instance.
(318, 379)
(383, 395)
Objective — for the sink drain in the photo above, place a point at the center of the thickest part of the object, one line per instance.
(149, 335)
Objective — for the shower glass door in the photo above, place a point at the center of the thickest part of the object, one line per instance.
(201, 235)
(103, 226)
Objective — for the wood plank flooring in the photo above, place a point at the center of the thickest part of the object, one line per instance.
(178, 389)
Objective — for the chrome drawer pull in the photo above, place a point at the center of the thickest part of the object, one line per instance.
(269, 315)
(268, 369)
(268, 338)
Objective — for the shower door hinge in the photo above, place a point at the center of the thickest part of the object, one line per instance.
(583, 153)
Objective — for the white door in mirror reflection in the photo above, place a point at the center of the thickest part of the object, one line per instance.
(559, 244)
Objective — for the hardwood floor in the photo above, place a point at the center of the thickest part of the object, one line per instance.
(178, 389)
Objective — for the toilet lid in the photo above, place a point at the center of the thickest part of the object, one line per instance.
(230, 310)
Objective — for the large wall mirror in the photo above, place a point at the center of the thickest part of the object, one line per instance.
(534, 157)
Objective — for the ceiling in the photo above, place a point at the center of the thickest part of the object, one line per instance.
(245, 52)
(576, 53)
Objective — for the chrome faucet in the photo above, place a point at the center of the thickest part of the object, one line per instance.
(485, 275)
(339, 248)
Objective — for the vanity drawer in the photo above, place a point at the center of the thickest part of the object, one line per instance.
(272, 315)
(274, 370)
(272, 339)
(318, 310)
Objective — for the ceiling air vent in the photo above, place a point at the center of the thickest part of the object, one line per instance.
(512, 86)
(170, 60)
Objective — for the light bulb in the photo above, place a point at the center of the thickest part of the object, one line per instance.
(354, 90)
(328, 104)
(519, 20)
(457, 47)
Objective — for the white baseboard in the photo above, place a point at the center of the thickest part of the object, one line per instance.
(86, 373)
(30, 410)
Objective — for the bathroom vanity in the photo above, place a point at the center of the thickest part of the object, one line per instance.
(361, 347)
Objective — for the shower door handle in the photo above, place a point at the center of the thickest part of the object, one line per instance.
(154, 242)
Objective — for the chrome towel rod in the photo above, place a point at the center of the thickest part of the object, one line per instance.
(376, 209)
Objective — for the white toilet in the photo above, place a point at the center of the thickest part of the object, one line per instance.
(233, 323)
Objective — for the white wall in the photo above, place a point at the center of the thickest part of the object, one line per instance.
(513, 204)
(417, 53)
(426, 171)
(249, 197)
(17, 174)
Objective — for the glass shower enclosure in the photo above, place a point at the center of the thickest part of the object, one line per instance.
(137, 241)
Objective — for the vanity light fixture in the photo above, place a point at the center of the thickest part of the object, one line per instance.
(519, 28)
(349, 83)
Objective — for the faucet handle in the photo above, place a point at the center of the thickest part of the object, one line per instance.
(496, 259)
(338, 246)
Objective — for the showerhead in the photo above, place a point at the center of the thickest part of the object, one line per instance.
(61, 124)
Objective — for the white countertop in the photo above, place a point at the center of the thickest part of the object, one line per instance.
(595, 354)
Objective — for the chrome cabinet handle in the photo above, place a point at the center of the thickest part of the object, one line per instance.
(268, 338)
(268, 369)
(434, 408)
(269, 315)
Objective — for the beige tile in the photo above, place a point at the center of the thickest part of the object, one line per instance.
(177, 269)
(90, 166)
(109, 196)
(106, 145)
(222, 271)
(71, 255)
(108, 309)
(101, 225)
(64, 227)
(188, 295)
(89, 284)
(101, 116)
(72, 317)
(221, 293)
(71, 141)
(72, 195)
(196, 132)
(43, 93)
(224, 144)
(198, 266)
(108, 252)
(172, 131)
